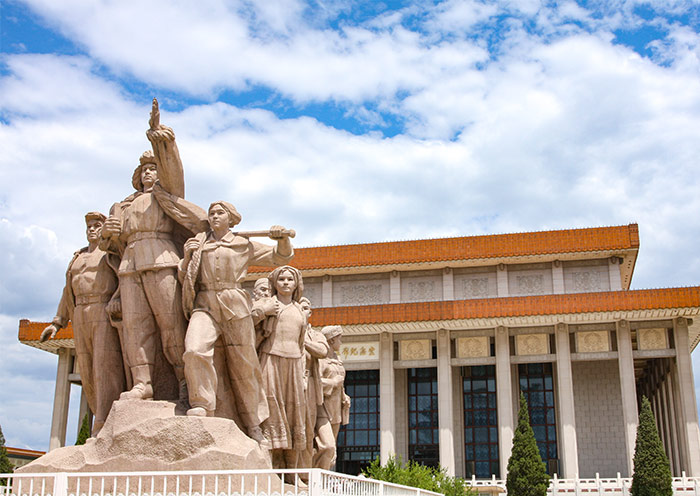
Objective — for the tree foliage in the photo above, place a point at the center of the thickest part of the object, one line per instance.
(652, 472)
(84, 432)
(527, 474)
(6, 466)
(417, 475)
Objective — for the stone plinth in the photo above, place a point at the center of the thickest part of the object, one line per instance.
(147, 436)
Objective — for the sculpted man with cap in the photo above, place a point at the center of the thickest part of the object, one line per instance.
(91, 281)
(148, 230)
(212, 270)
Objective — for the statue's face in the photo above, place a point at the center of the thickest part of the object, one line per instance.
(335, 343)
(285, 283)
(262, 290)
(149, 175)
(306, 308)
(94, 229)
(218, 218)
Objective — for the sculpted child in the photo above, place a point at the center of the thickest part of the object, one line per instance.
(212, 270)
(336, 404)
(282, 361)
(91, 282)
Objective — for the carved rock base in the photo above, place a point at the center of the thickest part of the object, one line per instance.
(143, 436)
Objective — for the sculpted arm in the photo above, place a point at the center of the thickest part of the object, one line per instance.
(63, 314)
(316, 345)
(170, 171)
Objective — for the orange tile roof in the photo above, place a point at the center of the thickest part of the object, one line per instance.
(21, 452)
(466, 248)
(513, 306)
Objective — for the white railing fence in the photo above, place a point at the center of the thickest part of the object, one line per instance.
(682, 486)
(308, 482)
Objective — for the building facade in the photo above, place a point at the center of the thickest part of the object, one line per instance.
(442, 335)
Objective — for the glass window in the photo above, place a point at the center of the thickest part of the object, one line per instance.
(480, 421)
(423, 431)
(358, 441)
(538, 387)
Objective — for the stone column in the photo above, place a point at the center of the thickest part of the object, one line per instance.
(327, 291)
(667, 393)
(688, 408)
(557, 277)
(387, 415)
(565, 389)
(448, 284)
(445, 418)
(614, 274)
(61, 399)
(395, 287)
(628, 389)
(502, 279)
(504, 398)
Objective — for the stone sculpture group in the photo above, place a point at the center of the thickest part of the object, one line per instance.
(159, 312)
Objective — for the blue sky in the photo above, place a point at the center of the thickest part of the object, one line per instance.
(347, 121)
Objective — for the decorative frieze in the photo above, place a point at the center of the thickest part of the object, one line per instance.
(415, 349)
(592, 341)
(532, 344)
(530, 284)
(652, 339)
(421, 288)
(473, 347)
(586, 278)
(360, 352)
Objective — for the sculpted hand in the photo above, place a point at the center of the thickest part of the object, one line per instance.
(111, 227)
(269, 306)
(277, 232)
(49, 332)
(190, 246)
(114, 308)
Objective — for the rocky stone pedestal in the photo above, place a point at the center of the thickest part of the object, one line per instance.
(141, 436)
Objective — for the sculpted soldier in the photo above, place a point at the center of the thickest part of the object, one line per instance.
(148, 229)
(315, 348)
(336, 404)
(91, 281)
(214, 266)
(282, 361)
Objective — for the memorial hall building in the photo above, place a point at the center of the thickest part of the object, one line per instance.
(442, 335)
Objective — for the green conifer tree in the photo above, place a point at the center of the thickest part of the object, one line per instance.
(84, 432)
(527, 474)
(6, 466)
(652, 472)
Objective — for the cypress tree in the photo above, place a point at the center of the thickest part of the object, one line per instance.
(6, 466)
(652, 472)
(84, 432)
(527, 474)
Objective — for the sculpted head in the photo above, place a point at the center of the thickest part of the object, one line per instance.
(93, 223)
(216, 211)
(286, 280)
(146, 174)
(305, 306)
(334, 336)
(261, 289)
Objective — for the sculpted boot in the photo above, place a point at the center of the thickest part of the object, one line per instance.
(143, 387)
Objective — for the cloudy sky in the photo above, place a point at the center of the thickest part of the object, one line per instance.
(349, 121)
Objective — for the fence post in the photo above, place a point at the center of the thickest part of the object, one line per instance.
(555, 485)
(60, 484)
(315, 482)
